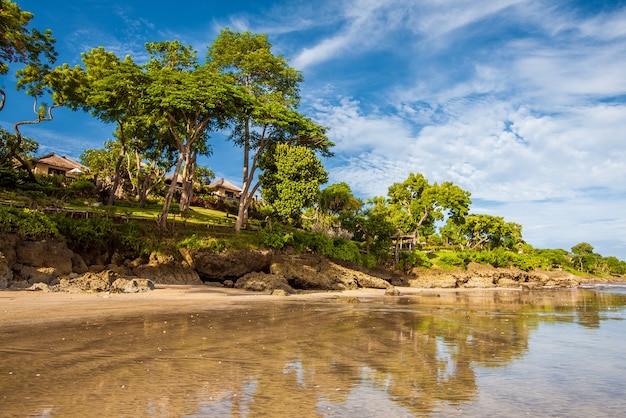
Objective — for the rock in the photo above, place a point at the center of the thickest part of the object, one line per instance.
(214, 284)
(54, 254)
(105, 281)
(314, 272)
(8, 243)
(279, 292)
(78, 264)
(228, 265)
(132, 285)
(39, 286)
(6, 274)
(37, 274)
(90, 282)
(167, 270)
(433, 280)
(261, 282)
(392, 291)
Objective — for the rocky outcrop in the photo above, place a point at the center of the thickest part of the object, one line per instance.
(229, 265)
(481, 276)
(263, 282)
(105, 281)
(38, 261)
(167, 270)
(314, 272)
(24, 263)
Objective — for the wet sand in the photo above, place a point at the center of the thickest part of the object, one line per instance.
(25, 307)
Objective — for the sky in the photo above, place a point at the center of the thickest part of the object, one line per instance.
(520, 102)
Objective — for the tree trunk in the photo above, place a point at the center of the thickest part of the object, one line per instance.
(243, 199)
(188, 174)
(162, 221)
(116, 179)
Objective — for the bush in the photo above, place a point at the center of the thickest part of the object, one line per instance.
(417, 258)
(272, 239)
(346, 250)
(206, 243)
(450, 260)
(91, 234)
(83, 187)
(31, 224)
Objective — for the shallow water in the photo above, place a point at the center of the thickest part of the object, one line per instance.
(506, 353)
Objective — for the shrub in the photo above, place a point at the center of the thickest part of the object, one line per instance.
(207, 243)
(96, 233)
(450, 260)
(83, 187)
(8, 219)
(346, 250)
(417, 258)
(31, 224)
(272, 239)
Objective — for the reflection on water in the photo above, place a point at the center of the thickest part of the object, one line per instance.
(494, 353)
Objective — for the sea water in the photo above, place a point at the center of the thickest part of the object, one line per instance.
(485, 353)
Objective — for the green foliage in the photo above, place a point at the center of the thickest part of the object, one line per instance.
(417, 258)
(272, 239)
(291, 179)
(11, 178)
(82, 186)
(12, 146)
(337, 198)
(18, 43)
(450, 260)
(91, 234)
(266, 90)
(30, 224)
(415, 204)
(196, 243)
(346, 250)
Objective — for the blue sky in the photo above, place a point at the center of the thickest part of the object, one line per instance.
(520, 102)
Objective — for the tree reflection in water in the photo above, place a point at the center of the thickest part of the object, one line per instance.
(403, 356)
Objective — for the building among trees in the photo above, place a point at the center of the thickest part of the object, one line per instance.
(53, 164)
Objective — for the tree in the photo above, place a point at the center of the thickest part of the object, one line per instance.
(18, 44)
(415, 204)
(101, 162)
(584, 256)
(291, 179)
(187, 99)
(480, 230)
(338, 197)
(108, 88)
(267, 97)
(35, 50)
(337, 210)
(8, 149)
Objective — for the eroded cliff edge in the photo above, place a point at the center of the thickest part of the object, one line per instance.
(51, 265)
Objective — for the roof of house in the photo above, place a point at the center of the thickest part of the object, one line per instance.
(58, 161)
(224, 184)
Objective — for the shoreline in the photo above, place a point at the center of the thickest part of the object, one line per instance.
(28, 307)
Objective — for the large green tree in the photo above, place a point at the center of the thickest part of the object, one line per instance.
(291, 179)
(188, 100)
(415, 204)
(267, 98)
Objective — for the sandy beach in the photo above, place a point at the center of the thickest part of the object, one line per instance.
(24, 307)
